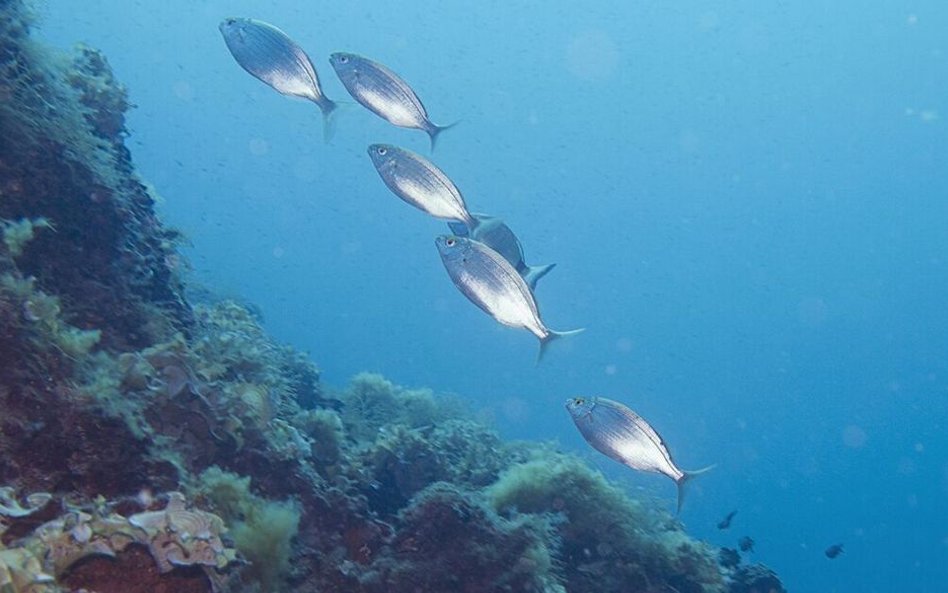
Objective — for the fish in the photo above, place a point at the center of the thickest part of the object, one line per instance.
(834, 551)
(746, 544)
(494, 233)
(619, 433)
(270, 55)
(490, 282)
(416, 180)
(726, 521)
(384, 93)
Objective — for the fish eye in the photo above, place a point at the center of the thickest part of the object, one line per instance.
(579, 401)
(381, 150)
(344, 59)
(451, 242)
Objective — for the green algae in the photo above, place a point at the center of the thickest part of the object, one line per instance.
(262, 529)
(608, 540)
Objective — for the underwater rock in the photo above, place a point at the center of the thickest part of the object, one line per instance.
(446, 541)
(729, 558)
(262, 529)
(11, 507)
(182, 546)
(21, 572)
(134, 571)
(372, 401)
(403, 461)
(608, 542)
(755, 578)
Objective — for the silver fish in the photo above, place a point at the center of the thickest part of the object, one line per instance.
(617, 432)
(384, 93)
(270, 55)
(419, 182)
(490, 282)
(494, 233)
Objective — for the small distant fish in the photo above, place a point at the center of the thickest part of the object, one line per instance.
(419, 182)
(617, 432)
(726, 521)
(384, 93)
(746, 544)
(834, 550)
(271, 56)
(494, 233)
(490, 282)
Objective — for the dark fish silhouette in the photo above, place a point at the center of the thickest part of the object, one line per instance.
(746, 544)
(834, 550)
(726, 521)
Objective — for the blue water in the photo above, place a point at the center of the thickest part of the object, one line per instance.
(747, 205)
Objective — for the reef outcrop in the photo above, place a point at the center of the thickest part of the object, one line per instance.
(149, 443)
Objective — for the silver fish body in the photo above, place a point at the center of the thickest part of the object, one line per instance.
(270, 55)
(416, 180)
(384, 93)
(617, 432)
(495, 233)
(490, 282)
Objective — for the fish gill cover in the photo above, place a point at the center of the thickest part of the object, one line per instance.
(150, 444)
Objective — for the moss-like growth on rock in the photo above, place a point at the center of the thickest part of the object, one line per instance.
(325, 429)
(447, 541)
(403, 461)
(609, 541)
(372, 401)
(262, 530)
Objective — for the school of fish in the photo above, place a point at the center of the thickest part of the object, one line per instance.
(482, 255)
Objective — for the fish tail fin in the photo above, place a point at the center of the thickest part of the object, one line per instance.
(434, 130)
(476, 221)
(684, 479)
(330, 109)
(555, 335)
(481, 221)
(534, 273)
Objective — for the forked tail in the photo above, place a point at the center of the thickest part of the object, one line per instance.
(684, 479)
(329, 108)
(555, 335)
(534, 273)
(434, 130)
